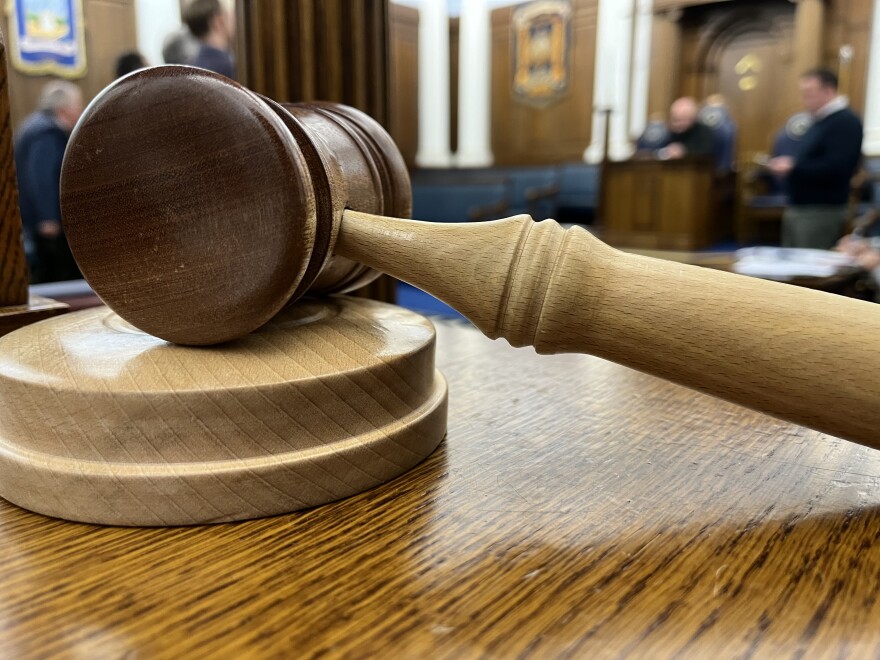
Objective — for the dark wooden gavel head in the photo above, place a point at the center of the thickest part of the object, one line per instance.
(197, 209)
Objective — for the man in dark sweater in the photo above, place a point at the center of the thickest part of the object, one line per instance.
(213, 25)
(39, 149)
(818, 179)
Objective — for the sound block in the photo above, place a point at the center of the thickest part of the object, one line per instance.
(103, 423)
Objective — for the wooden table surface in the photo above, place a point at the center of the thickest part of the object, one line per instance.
(576, 509)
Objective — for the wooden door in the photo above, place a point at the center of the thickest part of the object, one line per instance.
(743, 50)
(751, 75)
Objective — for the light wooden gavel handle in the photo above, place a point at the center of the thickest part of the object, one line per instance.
(804, 356)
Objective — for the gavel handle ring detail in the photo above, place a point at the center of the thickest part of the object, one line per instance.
(796, 354)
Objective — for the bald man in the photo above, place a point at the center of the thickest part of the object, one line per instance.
(39, 149)
(687, 136)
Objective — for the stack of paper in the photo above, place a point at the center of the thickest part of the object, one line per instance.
(787, 263)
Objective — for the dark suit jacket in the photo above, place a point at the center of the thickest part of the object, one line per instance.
(828, 156)
(39, 149)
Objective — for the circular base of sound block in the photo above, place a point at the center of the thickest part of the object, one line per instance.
(103, 423)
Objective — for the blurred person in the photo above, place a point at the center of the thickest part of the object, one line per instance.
(865, 251)
(213, 25)
(655, 135)
(180, 47)
(39, 149)
(716, 115)
(128, 62)
(818, 177)
(687, 136)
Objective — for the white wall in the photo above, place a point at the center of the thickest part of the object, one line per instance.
(871, 144)
(155, 20)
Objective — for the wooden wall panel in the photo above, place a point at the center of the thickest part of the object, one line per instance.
(560, 132)
(319, 50)
(403, 108)
(109, 31)
(849, 23)
(13, 270)
(306, 50)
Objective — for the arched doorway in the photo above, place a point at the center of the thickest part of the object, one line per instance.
(743, 51)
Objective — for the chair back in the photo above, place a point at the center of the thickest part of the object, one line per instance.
(458, 197)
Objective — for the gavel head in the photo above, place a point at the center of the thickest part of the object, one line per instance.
(197, 209)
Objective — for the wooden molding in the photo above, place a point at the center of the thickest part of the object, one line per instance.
(13, 269)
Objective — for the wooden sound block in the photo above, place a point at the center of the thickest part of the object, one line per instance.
(103, 423)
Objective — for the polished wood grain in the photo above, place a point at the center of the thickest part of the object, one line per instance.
(403, 79)
(150, 214)
(802, 355)
(13, 269)
(656, 205)
(266, 182)
(104, 423)
(319, 50)
(576, 509)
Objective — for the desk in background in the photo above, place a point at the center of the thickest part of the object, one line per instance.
(665, 205)
(576, 509)
(850, 281)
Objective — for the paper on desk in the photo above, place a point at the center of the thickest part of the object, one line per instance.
(787, 263)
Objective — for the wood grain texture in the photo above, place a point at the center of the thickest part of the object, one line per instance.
(802, 355)
(403, 79)
(13, 269)
(103, 423)
(230, 202)
(656, 205)
(603, 513)
(176, 224)
(320, 50)
(37, 308)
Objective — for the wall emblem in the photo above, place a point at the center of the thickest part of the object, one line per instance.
(748, 69)
(47, 37)
(541, 51)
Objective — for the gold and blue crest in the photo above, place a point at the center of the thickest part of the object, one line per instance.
(47, 37)
(541, 44)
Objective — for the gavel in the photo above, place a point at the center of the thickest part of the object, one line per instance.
(197, 210)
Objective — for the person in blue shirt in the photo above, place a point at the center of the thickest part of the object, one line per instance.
(214, 26)
(39, 149)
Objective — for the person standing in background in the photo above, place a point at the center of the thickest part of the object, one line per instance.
(39, 149)
(214, 26)
(818, 179)
(130, 62)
